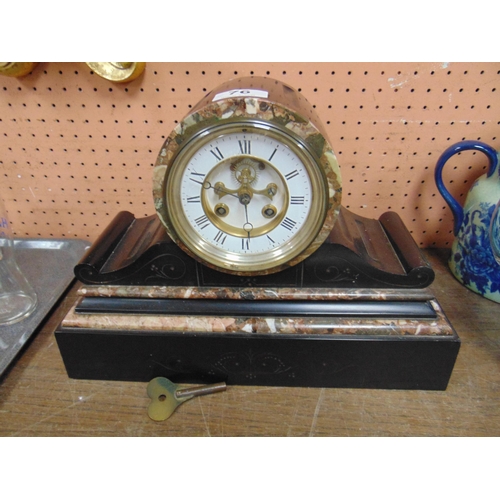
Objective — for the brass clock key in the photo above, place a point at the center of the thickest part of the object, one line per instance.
(167, 396)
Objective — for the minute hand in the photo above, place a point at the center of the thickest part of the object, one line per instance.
(220, 188)
(248, 226)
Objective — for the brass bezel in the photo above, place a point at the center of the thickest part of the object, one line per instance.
(241, 263)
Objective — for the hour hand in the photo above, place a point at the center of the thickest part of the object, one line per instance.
(221, 190)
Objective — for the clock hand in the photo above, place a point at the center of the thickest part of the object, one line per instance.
(247, 226)
(243, 197)
(218, 188)
(245, 200)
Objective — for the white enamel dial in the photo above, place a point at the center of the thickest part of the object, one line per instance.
(242, 196)
(255, 214)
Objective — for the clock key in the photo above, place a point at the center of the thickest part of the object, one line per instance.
(166, 396)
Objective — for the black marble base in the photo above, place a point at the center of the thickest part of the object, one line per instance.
(381, 350)
(339, 350)
(349, 361)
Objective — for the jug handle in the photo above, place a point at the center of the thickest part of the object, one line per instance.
(456, 208)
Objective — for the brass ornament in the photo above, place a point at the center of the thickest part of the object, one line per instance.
(16, 69)
(118, 71)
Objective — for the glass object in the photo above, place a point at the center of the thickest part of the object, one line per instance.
(17, 297)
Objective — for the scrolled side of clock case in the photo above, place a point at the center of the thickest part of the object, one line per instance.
(283, 107)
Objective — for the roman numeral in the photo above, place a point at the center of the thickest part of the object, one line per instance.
(291, 175)
(270, 239)
(216, 152)
(273, 153)
(220, 237)
(202, 221)
(245, 147)
(196, 177)
(194, 199)
(288, 223)
(297, 200)
(245, 243)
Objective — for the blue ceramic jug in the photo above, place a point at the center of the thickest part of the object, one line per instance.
(475, 252)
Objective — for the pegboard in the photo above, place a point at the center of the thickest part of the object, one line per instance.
(76, 149)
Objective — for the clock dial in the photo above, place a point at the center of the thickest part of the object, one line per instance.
(245, 195)
(246, 184)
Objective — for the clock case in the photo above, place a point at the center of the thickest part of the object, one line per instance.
(357, 311)
(251, 102)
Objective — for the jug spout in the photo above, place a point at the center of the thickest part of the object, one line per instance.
(475, 252)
